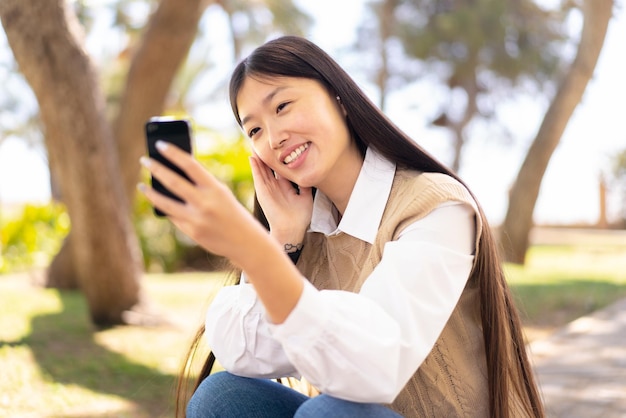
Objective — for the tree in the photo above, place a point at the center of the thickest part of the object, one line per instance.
(45, 38)
(514, 235)
(248, 21)
(379, 44)
(147, 89)
(101, 254)
(479, 50)
(94, 159)
(155, 61)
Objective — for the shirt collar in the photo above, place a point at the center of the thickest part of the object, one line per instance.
(366, 205)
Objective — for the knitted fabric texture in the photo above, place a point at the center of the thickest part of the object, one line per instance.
(452, 381)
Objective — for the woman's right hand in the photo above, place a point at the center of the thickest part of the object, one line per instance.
(288, 211)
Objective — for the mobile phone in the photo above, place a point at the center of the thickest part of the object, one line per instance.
(176, 132)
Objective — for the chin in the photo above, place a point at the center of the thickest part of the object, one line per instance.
(304, 183)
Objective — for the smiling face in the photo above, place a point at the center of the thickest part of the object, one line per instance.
(299, 130)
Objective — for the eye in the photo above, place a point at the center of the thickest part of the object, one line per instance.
(252, 132)
(281, 107)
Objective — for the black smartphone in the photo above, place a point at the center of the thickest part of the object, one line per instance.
(174, 131)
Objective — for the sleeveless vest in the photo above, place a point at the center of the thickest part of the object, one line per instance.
(452, 381)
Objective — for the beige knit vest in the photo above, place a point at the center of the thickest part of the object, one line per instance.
(452, 381)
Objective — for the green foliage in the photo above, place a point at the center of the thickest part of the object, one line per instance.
(479, 53)
(619, 182)
(510, 40)
(160, 244)
(253, 22)
(227, 159)
(32, 236)
(619, 167)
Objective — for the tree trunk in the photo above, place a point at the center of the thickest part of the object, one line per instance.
(603, 222)
(46, 40)
(457, 128)
(385, 24)
(514, 235)
(163, 48)
(458, 141)
(61, 272)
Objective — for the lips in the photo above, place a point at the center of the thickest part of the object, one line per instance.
(293, 155)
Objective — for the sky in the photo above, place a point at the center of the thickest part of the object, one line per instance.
(569, 192)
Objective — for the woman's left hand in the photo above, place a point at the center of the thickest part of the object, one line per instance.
(288, 210)
(210, 214)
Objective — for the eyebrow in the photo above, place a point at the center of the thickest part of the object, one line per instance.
(265, 101)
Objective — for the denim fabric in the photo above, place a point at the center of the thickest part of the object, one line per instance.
(224, 395)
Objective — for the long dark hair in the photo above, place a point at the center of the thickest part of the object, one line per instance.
(508, 367)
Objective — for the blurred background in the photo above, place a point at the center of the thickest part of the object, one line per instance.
(591, 141)
(592, 138)
(522, 99)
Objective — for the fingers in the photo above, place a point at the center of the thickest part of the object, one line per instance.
(264, 176)
(170, 179)
(185, 161)
(260, 171)
(163, 203)
(179, 185)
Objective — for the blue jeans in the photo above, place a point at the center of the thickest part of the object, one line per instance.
(224, 395)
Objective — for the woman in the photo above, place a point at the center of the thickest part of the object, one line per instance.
(378, 284)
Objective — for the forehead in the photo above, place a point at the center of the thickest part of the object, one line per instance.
(257, 90)
(256, 85)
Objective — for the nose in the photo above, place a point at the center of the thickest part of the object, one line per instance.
(277, 136)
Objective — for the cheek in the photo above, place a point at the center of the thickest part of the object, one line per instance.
(327, 120)
(263, 151)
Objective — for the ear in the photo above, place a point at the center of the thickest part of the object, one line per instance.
(343, 109)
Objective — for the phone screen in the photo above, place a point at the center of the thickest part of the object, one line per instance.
(174, 131)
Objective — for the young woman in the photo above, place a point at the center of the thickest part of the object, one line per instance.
(378, 285)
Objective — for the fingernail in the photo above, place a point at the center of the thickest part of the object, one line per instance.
(144, 161)
(161, 145)
(142, 187)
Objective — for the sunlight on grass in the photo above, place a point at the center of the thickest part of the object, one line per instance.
(53, 360)
(549, 263)
(25, 388)
(561, 283)
(19, 303)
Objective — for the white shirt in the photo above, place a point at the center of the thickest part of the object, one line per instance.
(361, 347)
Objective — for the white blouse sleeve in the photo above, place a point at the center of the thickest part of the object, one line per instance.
(236, 329)
(362, 347)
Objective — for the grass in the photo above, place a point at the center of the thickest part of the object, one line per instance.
(55, 365)
(561, 283)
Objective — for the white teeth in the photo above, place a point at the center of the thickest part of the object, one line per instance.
(295, 153)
